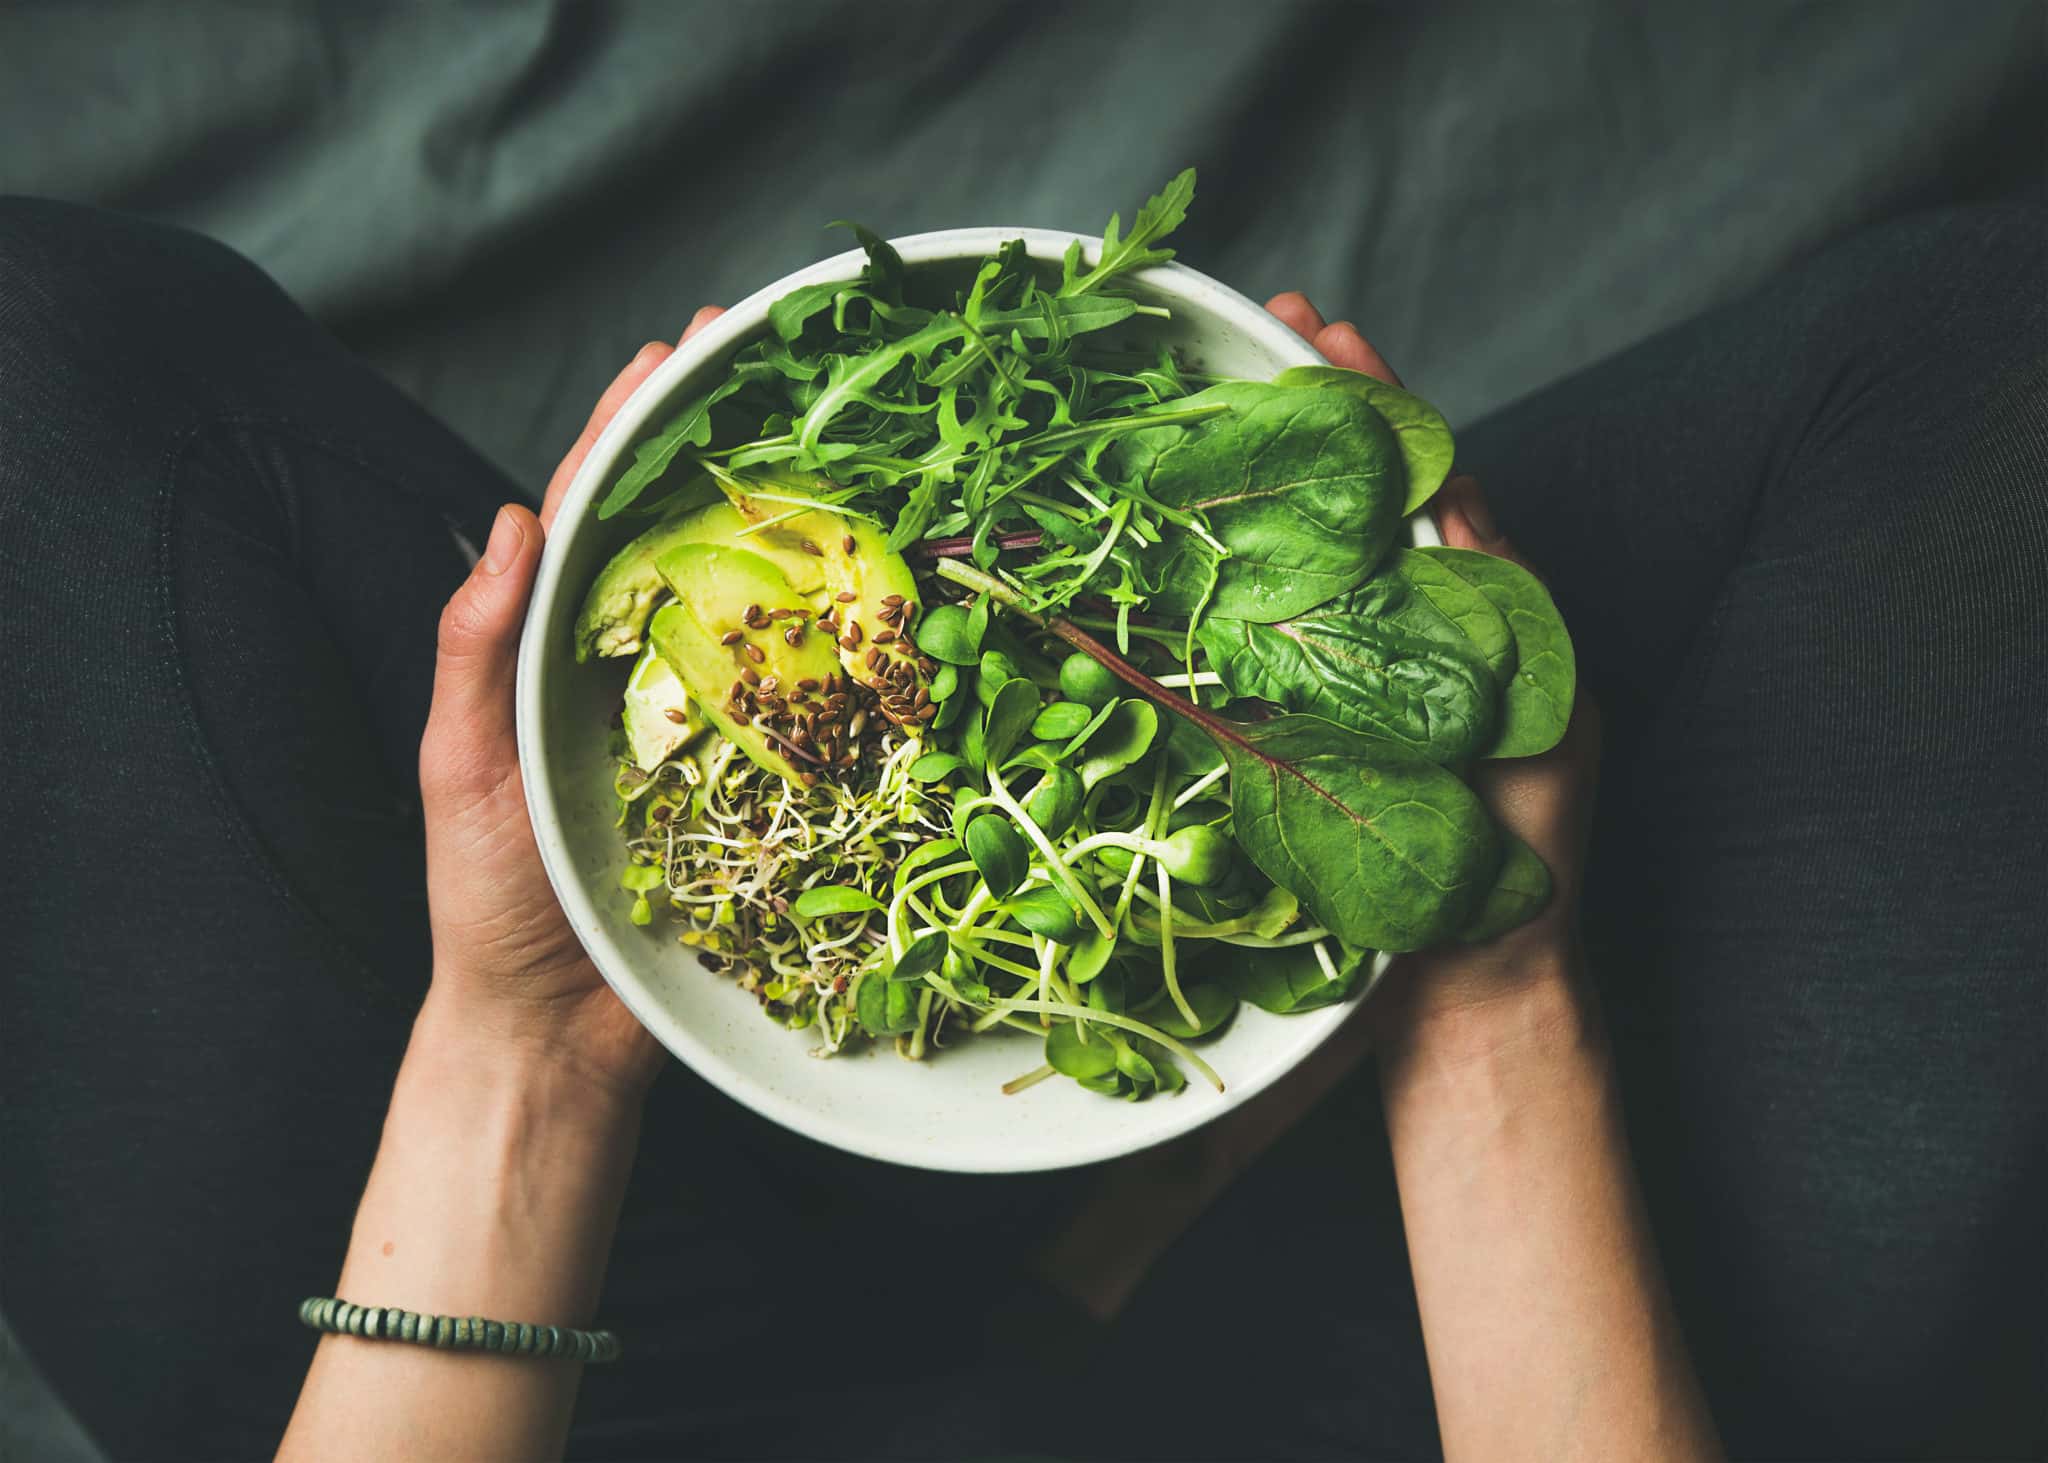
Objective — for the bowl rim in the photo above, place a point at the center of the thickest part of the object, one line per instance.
(716, 341)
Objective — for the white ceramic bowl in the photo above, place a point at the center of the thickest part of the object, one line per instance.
(946, 1112)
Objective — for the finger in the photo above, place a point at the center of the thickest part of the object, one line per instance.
(1296, 313)
(623, 385)
(701, 319)
(1466, 521)
(470, 746)
(1342, 345)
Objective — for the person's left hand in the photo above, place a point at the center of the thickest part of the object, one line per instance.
(507, 967)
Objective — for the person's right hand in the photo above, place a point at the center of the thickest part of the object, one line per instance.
(507, 966)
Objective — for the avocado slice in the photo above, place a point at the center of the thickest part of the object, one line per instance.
(870, 600)
(770, 685)
(613, 620)
(659, 716)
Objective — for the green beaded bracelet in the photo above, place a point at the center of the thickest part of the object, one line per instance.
(457, 1333)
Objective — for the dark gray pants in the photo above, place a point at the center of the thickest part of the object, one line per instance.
(1800, 543)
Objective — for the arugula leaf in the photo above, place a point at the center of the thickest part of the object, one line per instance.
(1536, 705)
(1419, 428)
(1051, 316)
(1161, 215)
(853, 379)
(690, 427)
(788, 315)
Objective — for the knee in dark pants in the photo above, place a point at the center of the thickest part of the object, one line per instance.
(1926, 375)
(104, 312)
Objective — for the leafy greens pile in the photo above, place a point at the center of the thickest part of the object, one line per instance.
(1161, 717)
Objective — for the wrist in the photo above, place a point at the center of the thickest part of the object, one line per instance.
(497, 1181)
(585, 1049)
(1512, 998)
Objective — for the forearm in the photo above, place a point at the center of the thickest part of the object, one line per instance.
(495, 1192)
(1544, 1313)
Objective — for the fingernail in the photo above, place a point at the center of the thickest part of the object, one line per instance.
(507, 534)
(1472, 503)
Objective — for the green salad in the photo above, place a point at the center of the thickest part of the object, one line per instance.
(991, 672)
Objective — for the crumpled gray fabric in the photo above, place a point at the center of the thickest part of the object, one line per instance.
(498, 204)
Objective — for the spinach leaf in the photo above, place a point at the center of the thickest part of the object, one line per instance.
(1519, 892)
(1386, 849)
(1288, 978)
(1351, 661)
(1301, 487)
(1419, 428)
(1461, 603)
(1537, 703)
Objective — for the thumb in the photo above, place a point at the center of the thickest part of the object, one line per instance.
(1465, 520)
(470, 745)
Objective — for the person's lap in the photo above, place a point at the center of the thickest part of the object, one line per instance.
(1797, 555)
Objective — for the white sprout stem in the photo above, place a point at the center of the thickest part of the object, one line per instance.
(1030, 1079)
(965, 940)
(1166, 953)
(1055, 865)
(1183, 681)
(1236, 931)
(924, 1011)
(897, 945)
(1125, 1023)
(1081, 491)
(1051, 505)
(1200, 785)
(760, 524)
(1323, 959)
